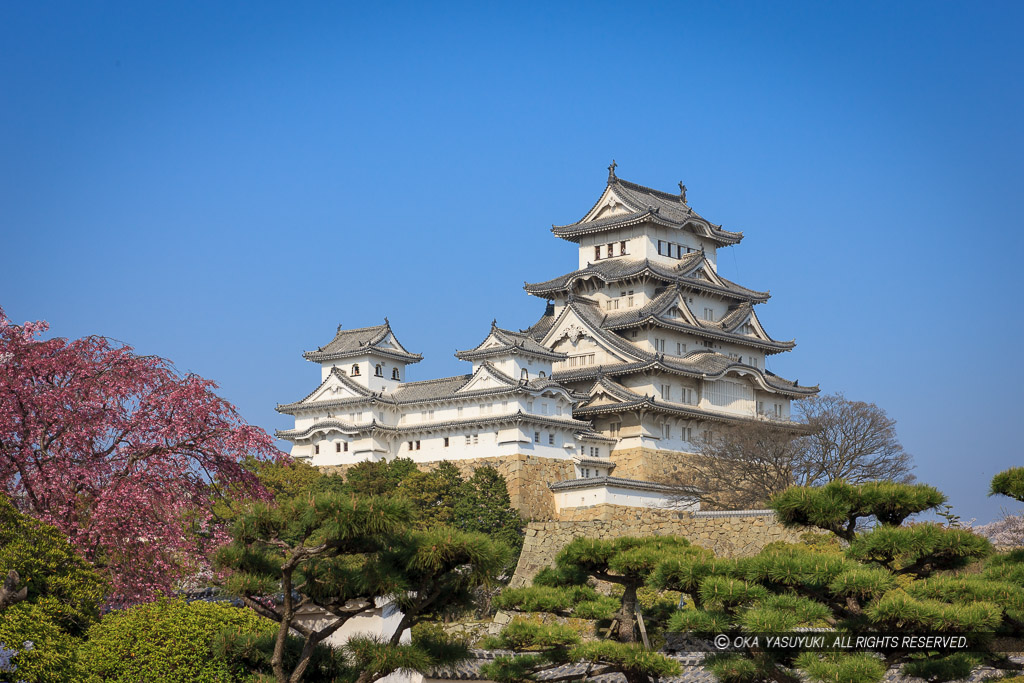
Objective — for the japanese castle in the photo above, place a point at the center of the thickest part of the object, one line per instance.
(642, 352)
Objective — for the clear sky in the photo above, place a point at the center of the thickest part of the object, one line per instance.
(223, 184)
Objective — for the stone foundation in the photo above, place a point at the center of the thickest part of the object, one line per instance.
(731, 534)
(648, 464)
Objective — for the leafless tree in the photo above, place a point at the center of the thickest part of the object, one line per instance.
(851, 440)
(743, 465)
(832, 438)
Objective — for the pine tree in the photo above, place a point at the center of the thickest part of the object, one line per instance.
(565, 590)
(339, 553)
(890, 578)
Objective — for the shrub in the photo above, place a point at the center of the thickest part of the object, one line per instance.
(166, 642)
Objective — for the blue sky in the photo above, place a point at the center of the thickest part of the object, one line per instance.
(223, 183)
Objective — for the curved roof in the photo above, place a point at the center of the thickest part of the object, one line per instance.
(645, 204)
(655, 312)
(616, 269)
(706, 365)
(501, 342)
(362, 341)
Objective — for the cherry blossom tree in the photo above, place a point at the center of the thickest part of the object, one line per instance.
(118, 451)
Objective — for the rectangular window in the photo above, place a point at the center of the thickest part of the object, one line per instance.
(634, 334)
(597, 253)
(760, 407)
(529, 406)
(558, 409)
(446, 442)
(709, 314)
(337, 447)
(708, 436)
(778, 410)
(659, 345)
(469, 439)
(543, 408)
(345, 447)
(536, 437)
(666, 392)
(597, 452)
(614, 429)
(476, 439)
(417, 444)
(410, 445)
(660, 248)
(611, 250)
(551, 439)
(458, 411)
(586, 472)
(622, 248)
(316, 449)
(666, 430)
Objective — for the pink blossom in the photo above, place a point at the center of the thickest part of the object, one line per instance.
(118, 451)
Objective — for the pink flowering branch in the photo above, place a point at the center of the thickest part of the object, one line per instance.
(119, 451)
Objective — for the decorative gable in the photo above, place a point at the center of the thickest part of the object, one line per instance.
(487, 377)
(337, 386)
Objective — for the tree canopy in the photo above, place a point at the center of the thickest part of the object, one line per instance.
(117, 451)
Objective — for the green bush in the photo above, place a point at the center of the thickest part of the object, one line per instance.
(45, 652)
(64, 594)
(166, 642)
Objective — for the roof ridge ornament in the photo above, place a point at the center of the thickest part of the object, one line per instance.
(339, 327)
(611, 171)
(682, 192)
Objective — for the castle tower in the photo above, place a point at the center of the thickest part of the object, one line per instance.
(666, 349)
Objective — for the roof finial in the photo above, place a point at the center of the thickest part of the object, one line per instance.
(682, 192)
(386, 321)
(339, 327)
(611, 171)
(494, 322)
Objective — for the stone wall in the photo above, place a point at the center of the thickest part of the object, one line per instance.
(648, 464)
(734, 534)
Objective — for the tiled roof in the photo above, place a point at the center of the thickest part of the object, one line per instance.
(581, 427)
(509, 342)
(649, 205)
(617, 269)
(653, 312)
(629, 400)
(618, 482)
(692, 663)
(432, 390)
(357, 342)
(698, 364)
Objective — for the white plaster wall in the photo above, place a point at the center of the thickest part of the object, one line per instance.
(613, 495)
(633, 236)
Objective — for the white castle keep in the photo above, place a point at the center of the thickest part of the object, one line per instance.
(643, 349)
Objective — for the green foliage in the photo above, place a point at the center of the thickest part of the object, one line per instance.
(167, 641)
(847, 668)
(954, 667)
(920, 549)
(51, 658)
(918, 578)
(63, 597)
(378, 478)
(50, 568)
(1009, 483)
(485, 507)
(838, 506)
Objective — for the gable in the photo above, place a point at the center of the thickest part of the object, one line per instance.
(486, 378)
(610, 204)
(572, 334)
(334, 388)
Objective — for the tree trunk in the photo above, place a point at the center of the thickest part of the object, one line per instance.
(626, 614)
